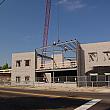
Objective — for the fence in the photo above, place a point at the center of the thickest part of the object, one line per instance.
(61, 79)
(94, 81)
(85, 81)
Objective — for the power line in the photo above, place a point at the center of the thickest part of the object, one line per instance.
(2, 2)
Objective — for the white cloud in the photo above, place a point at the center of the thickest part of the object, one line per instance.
(72, 4)
(62, 1)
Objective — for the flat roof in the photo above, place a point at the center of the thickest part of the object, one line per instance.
(52, 70)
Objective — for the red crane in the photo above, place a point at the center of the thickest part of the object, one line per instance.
(46, 28)
(47, 20)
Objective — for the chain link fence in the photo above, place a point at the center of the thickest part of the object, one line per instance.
(85, 81)
(61, 79)
(94, 81)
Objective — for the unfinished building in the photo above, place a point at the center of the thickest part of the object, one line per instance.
(56, 63)
(94, 62)
(5, 75)
(45, 64)
(96, 58)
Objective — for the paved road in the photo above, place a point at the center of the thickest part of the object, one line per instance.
(21, 99)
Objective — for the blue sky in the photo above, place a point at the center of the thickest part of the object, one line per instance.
(22, 23)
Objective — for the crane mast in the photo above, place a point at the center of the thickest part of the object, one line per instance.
(47, 21)
(46, 29)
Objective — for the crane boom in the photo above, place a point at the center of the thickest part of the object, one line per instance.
(46, 28)
(47, 20)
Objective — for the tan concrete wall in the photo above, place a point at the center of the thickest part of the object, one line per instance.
(49, 63)
(38, 62)
(23, 70)
(58, 62)
(95, 47)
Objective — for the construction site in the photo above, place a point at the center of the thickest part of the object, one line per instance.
(48, 63)
(61, 62)
(67, 62)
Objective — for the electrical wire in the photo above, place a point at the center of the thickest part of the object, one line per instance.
(2, 2)
(58, 21)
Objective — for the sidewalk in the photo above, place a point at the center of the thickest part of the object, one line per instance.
(75, 89)
(64, 87)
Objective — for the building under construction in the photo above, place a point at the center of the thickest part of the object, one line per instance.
(84, 62)
(62, 62)
(59, 59)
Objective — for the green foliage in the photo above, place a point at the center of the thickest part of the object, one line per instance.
(0, 67)
(5, 66)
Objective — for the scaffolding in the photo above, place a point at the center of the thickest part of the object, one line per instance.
(61, 55)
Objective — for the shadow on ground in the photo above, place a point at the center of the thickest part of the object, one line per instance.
(33, 103)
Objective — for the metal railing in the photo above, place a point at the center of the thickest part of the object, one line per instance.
(61, 79)
(85, 81)
(57, 65)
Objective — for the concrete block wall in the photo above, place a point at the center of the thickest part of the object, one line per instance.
(48, 63)
(23, 70)
(99, 48)
(59, 62)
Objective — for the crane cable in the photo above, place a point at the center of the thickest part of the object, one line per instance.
(2, 2)
(58, 21)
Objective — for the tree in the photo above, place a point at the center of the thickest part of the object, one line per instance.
(5, 66)
(0, 67)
